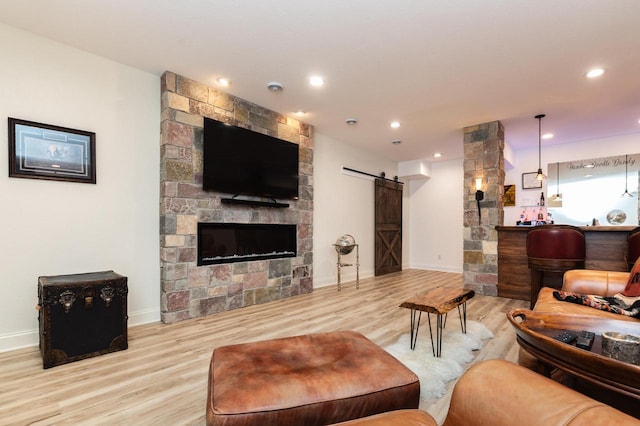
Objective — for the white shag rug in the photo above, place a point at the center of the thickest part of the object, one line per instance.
(457, 351)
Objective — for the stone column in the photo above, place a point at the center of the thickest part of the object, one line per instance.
(483, 158)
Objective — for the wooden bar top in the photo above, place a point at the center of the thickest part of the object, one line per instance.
(440, 300)
(583, 228)
(606, 249)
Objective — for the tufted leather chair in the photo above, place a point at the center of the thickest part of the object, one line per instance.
(553, 249)
(633, 247)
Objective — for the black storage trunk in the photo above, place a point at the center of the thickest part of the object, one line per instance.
(81, 316)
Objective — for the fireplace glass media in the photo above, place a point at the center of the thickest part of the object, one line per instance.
(240, 242)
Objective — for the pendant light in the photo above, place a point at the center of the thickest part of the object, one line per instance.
(540, 176)
(558, 197)
(626, 193)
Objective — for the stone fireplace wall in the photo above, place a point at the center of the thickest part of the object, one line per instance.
(188, 290)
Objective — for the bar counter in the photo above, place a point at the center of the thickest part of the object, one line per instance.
(606, 249)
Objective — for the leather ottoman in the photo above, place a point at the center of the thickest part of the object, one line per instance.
(314, 379)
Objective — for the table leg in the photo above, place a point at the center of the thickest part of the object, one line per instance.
(415, 326)
(463, 317)
(437, 348)
(439, 327)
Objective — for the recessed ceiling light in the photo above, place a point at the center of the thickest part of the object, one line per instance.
(547, 136)
(316, 81)
(274, 86)
(394, 124)
(437, 155)
(596, 72)
(351, 121)
(589, 166)
(223, 81)
(299, 113)
(396, 142)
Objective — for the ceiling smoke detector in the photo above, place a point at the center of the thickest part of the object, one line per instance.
(274, 86)
(351, 121)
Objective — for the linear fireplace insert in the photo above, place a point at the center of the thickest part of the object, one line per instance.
(240, 242)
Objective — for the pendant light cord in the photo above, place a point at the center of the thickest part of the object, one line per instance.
(540, 175)
(540, 141)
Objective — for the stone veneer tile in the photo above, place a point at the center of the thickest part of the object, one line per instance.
(179, 171)
(187, 254)
(177, 300)
(174, 240)
(255, 280)
(220, 100)
(186, 224)
(490, 247)
(192, 89)
(177, 102)
(180, 134)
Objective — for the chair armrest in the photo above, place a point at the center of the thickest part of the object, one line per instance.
(590, 281)
(500, 393)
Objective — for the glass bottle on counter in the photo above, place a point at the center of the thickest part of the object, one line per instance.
(542, 199)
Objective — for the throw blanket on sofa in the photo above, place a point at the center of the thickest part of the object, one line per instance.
(617, 304)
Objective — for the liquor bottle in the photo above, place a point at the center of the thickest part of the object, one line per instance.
(542, 198)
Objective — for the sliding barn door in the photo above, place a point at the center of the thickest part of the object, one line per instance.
(388, 227)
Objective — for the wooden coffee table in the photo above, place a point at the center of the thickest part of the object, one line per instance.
(438, 301)
(535, 333)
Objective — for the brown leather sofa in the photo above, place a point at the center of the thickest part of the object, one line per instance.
(497, 392)
(582, 281)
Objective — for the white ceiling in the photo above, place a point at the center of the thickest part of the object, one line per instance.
(436, 66)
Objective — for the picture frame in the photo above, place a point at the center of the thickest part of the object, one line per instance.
(45, 151)
(509, 195)
(529, 181)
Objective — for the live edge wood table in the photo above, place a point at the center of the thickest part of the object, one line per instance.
(438, 301)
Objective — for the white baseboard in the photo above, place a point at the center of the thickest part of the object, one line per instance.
(346, 278)
(441, 268)
(30, 338)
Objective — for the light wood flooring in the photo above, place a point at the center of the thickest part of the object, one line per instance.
(162, 378)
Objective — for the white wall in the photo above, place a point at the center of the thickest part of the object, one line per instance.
(527, 161)
(344, 204)
(52, 228)
(436, 218)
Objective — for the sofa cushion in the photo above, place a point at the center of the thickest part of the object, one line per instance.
(633, 285)
(549, 304)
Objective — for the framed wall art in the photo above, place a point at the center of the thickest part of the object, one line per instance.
(44, 151)
(509, 196)
(529, 181)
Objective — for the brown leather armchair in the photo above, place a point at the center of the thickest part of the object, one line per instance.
(497, 392)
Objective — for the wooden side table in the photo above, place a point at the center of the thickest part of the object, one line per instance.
(438, 301)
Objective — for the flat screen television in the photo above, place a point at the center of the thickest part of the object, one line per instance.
(239, 161)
